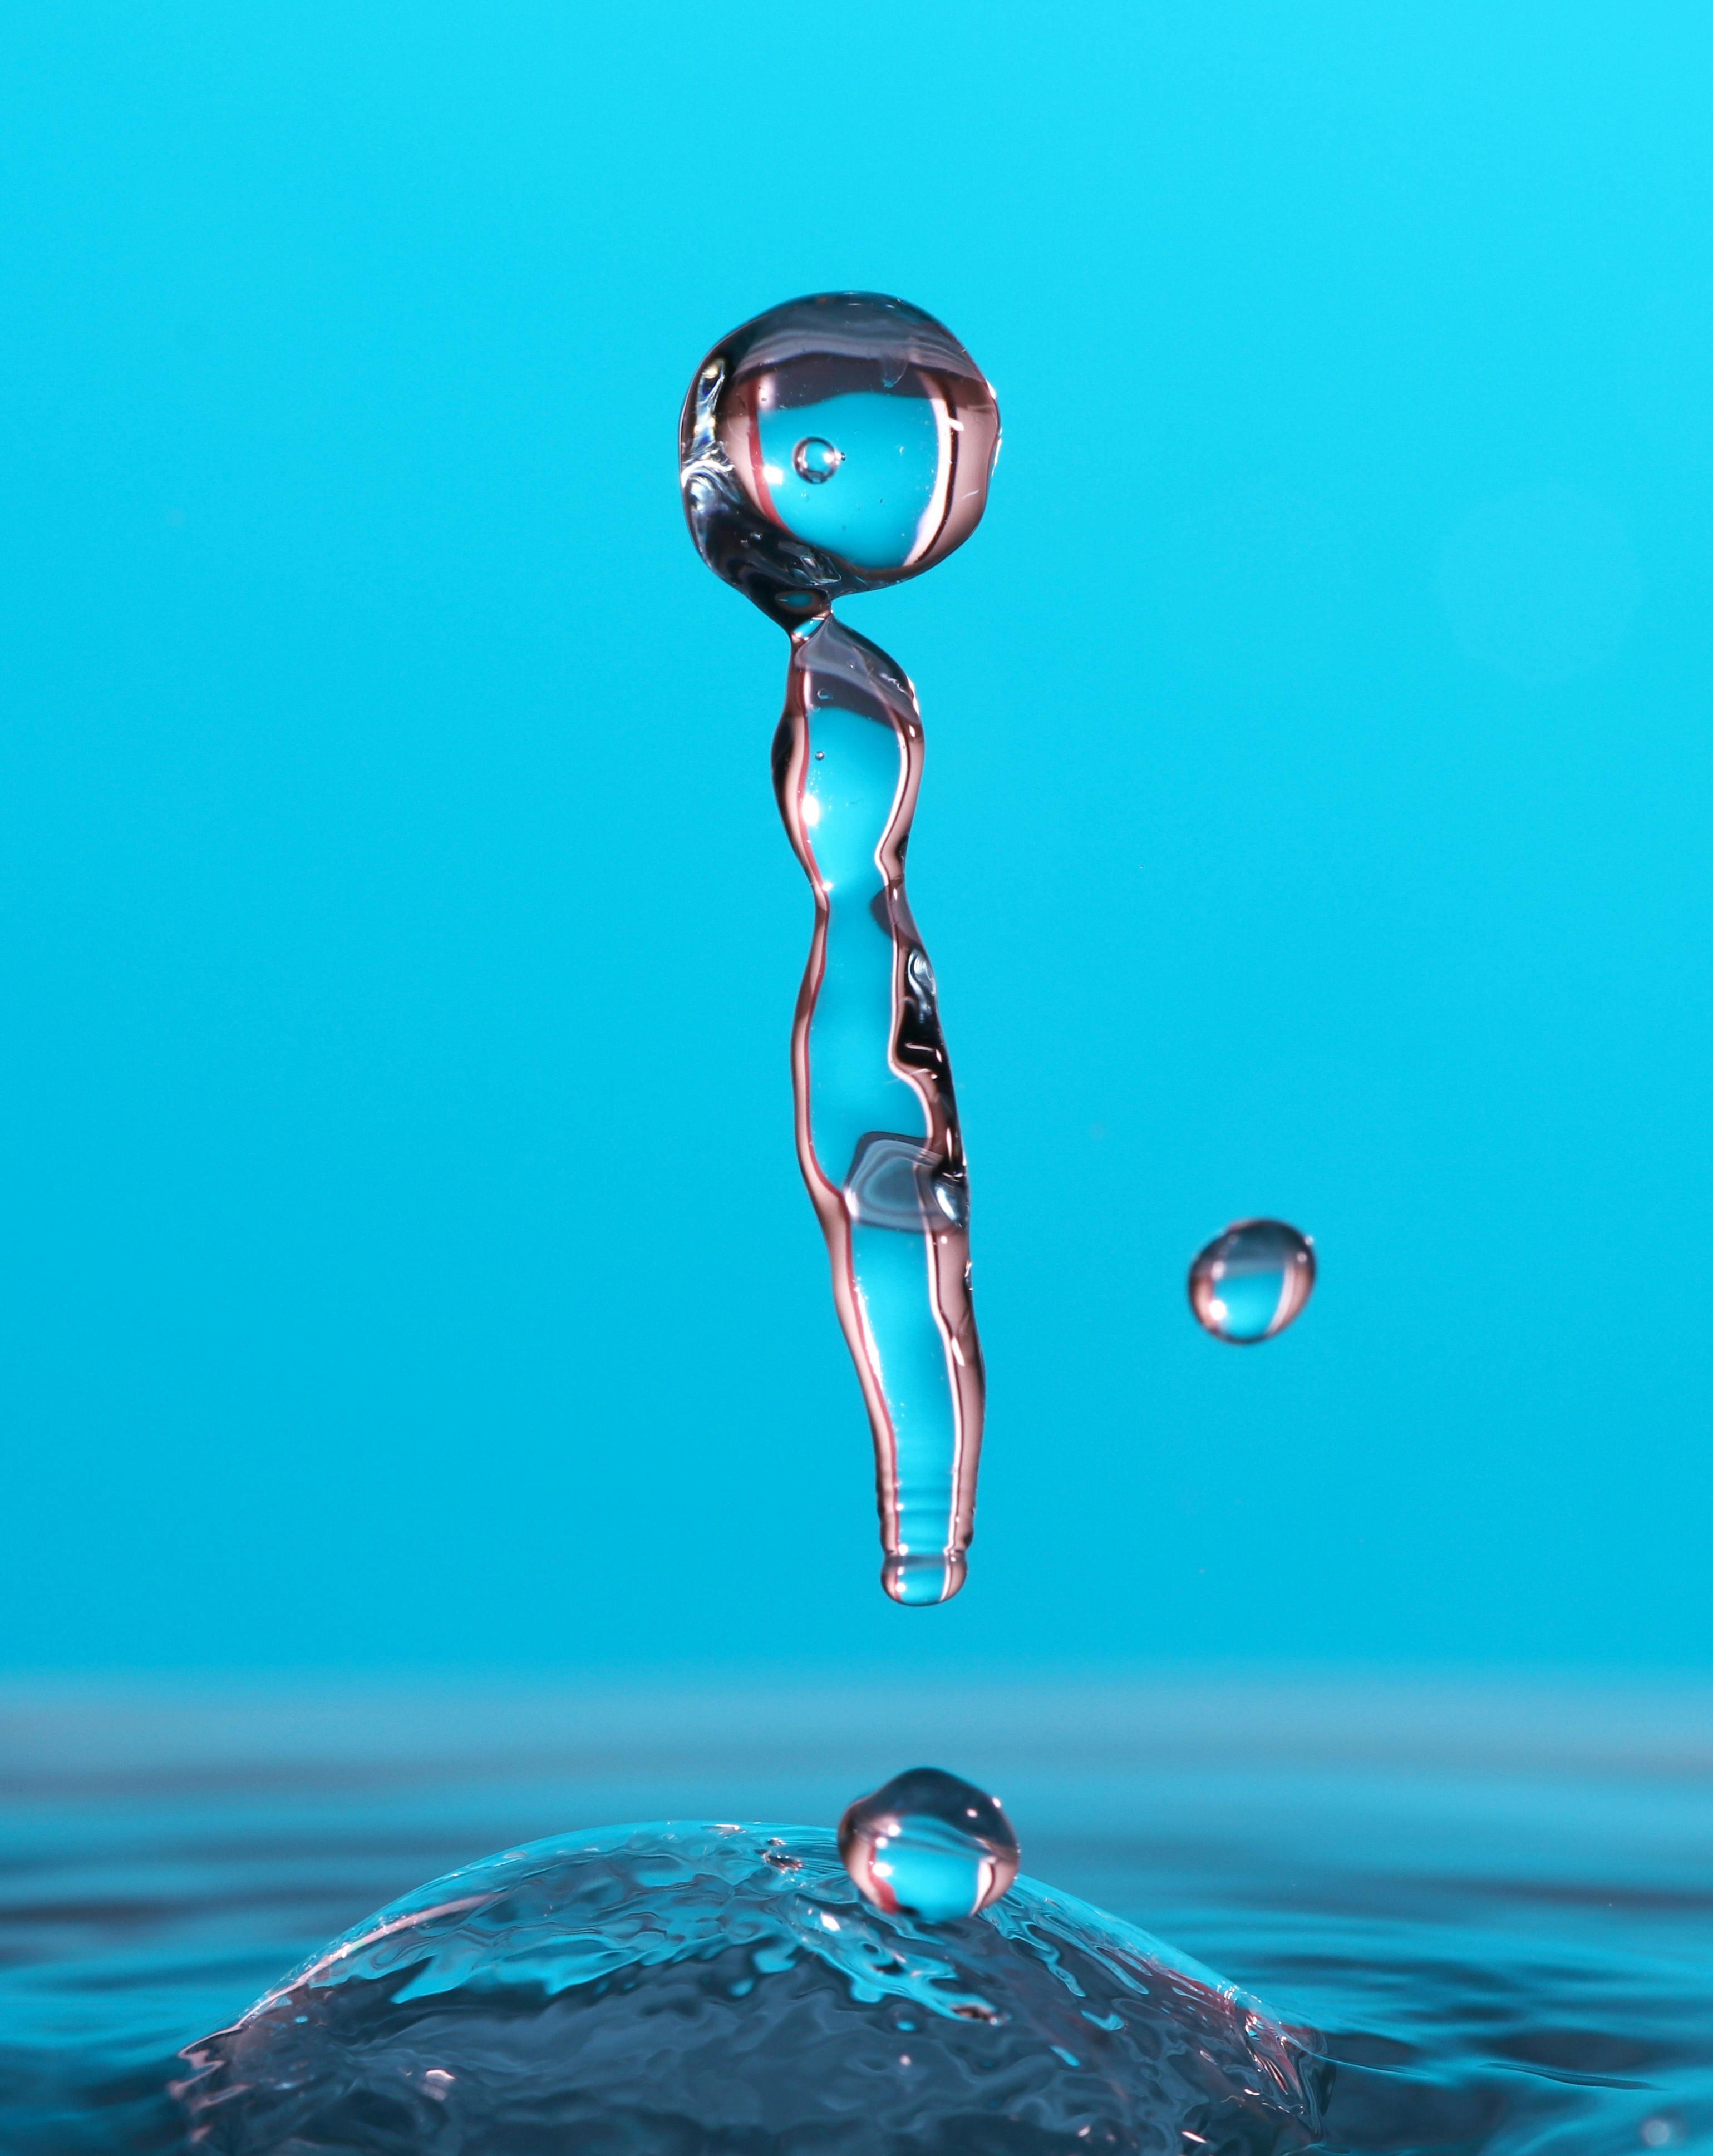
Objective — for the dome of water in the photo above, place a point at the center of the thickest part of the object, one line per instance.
(667, 1991)
(927, 1845)
(836, 444)
(1249, 1283)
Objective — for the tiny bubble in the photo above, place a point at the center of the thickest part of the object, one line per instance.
(816, 459)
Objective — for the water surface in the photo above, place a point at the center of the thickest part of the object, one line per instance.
(1497, 1903)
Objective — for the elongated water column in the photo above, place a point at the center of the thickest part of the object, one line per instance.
(840, 444)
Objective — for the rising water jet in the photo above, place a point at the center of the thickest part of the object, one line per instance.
(840, 444)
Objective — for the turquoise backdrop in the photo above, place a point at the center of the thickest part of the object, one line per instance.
(404, 1259)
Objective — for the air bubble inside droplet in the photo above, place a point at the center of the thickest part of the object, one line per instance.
(1249, 1283)
(927, 1845)
(816, 459)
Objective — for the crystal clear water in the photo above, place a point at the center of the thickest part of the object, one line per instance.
(837, 444)
(702, 1985)
(878, 1127)
(840, 444)
(929, 1843)
(1249, 1284)
(1495, 1904)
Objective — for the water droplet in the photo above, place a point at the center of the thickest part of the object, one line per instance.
(927, 1845)
(1250, 1282)
(816, 460)
(849, 382)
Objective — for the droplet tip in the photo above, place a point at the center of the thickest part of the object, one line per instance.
(920, 1582)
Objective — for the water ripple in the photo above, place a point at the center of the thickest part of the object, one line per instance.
(1516, 1959)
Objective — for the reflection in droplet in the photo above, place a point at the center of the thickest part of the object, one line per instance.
(1250, 1282)
(816, 460)
(927, 1845)
(891, 1183)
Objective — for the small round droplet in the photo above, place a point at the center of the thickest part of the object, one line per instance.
(816, 460)
(927, 1845)
(1250, 1282)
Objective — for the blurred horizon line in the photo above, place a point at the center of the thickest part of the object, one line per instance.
(149, 1730)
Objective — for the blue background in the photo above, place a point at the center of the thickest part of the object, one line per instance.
(404, 1256)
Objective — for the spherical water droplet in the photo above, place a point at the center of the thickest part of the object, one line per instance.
(927, 1845)
(1250, 1282)
(816, 460)
(845, 383)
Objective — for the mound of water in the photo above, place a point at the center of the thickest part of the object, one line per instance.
(667, 1991)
